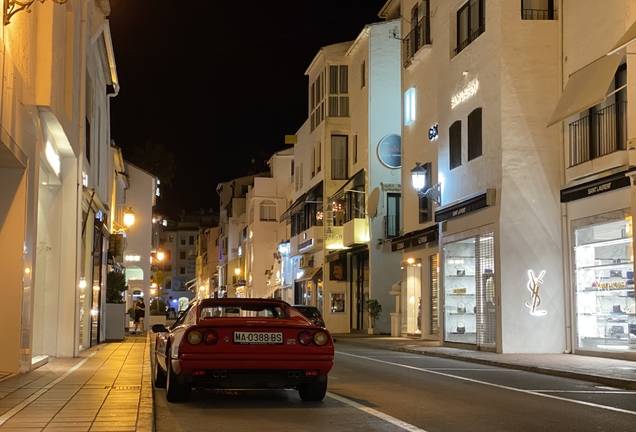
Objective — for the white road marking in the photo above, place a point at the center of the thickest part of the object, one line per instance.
(387, 418)
(6, 416)
(494, 385)
(585, 391)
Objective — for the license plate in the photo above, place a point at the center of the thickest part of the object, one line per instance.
(255, 338)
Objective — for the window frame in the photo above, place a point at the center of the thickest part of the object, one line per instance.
(475, 140)
(471, 35)
(455, 147)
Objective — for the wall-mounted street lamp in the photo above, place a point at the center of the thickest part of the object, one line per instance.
(12, 7)
(419, 175)
(237, 271)
(129, 220)
(160, 255)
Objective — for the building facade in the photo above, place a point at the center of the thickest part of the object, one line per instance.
(55, 158)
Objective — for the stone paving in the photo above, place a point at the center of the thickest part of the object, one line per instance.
(108, 388)
(608, 371)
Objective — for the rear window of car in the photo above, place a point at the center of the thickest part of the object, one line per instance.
(248, 311)
(309, 312)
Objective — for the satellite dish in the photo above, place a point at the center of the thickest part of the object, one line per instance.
(374, 200)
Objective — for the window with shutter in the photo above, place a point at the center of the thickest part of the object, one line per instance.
(474, 134)
(455, 147)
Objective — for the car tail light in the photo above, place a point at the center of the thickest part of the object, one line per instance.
(210, 337)
(321, 338)
(311, 373)
(194, 337)
(304, 337)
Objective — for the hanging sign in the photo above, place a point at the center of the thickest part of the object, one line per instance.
(390, 151)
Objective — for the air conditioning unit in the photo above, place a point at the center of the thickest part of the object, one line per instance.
(306, 261)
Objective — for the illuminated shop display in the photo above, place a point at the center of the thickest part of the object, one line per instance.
(604, 281)
(469, 291)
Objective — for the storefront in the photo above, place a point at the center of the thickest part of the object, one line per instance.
(469, 271)
(602, 261)
(418, 302)
(309, 287)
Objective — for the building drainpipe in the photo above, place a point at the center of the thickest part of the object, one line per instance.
(565, 237)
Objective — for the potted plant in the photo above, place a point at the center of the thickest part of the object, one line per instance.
(115, 313)
(374, 309)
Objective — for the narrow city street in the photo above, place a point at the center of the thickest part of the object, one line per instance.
(372, 389)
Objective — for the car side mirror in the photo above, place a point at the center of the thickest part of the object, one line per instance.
(159, 328)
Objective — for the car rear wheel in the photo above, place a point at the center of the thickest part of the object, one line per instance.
(159, 375)
(313, 392)
(175, 391)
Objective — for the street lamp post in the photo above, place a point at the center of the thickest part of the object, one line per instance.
(419, 176)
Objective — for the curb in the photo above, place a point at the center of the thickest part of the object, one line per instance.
(146, 415)
(613, 382)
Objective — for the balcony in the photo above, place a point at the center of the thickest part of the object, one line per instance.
(470, 39)
(538, 14)
(414, 44)
(308, 241)
(356, 231)
(598, 134)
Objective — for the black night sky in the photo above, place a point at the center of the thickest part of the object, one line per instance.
(219, 83)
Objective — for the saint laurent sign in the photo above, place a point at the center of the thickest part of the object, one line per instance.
(595, 187)
(415, 239)
(465, 206)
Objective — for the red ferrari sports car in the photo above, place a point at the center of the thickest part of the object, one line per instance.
(242, 344)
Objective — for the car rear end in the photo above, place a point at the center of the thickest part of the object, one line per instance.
(252, 352)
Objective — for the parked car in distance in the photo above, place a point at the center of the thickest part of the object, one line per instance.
(312, 313)
(247, 343)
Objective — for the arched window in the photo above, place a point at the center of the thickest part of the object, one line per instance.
(268, 211)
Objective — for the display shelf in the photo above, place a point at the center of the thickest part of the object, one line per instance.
(460, 314)
(595, 290)
(460, 276)
(467, 294)
(605, 243)
(606, 266)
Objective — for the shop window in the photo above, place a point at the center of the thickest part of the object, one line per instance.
(433, 307)
(191, 240)
(182, 270)
(469, 291)
(337, 302)
(604, 278)
(471, 23)
(183, 242)
(182, 255)
(474, 134)
(411, 296)
(538, 10)
(455, 144)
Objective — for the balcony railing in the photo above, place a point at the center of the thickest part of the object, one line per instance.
(538, 14)
(416, 39)
(598, 134)
(463, 44)
(391, 226)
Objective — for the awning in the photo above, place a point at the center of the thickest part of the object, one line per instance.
(628, 37)
(309, 274)
(356, 180)
(586, 87)
(294, 208)
(308, 197)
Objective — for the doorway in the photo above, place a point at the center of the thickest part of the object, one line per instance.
(359, 277)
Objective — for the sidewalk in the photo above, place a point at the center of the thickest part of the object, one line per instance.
(615, 373)
(108, 388)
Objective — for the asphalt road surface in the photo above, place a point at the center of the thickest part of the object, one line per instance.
(379, 390)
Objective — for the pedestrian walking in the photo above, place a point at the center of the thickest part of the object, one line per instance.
(140, 313)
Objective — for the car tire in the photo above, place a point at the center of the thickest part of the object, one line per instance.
(313, 392)
(159, 375)
(175, 391)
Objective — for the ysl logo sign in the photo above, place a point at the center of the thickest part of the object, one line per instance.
(534, 283)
